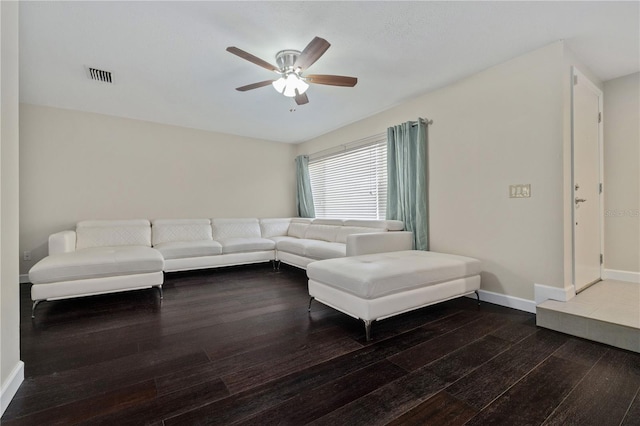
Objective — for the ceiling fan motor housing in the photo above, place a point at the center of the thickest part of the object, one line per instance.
(286, 60)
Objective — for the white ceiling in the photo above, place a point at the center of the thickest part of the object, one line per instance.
(170, 65)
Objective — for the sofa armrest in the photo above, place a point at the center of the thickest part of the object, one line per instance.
(379, 242)
(62, 242)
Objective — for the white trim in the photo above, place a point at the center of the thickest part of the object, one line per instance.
(544, 292)
(24, 279)
(508, 301)
(10, 387)
(628, 276)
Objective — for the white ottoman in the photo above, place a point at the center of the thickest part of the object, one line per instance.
(377, 286)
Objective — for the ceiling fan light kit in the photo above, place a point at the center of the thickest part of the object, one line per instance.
(291, 64)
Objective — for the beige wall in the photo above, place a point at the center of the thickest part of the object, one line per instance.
(499, 127)
(622, 173)
(11, 371)
(77, 165)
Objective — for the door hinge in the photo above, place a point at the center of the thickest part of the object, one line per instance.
(599, 117)
(601, 258)
(575, 80)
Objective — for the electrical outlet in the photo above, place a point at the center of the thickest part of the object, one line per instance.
(520, 191)
(26, 255)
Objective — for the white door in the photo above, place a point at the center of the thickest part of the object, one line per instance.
(587, 191)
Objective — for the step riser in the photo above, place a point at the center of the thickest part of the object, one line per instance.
(616, 335)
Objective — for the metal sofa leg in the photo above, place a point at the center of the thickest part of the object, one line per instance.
(310, 300)
(33, 307)
(367, 329)
(477, 296)
(160, 291)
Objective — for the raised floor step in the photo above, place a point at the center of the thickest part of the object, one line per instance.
(607, 312)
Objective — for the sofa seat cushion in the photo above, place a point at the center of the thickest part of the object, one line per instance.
(240, 245)
(96, 262)
(375, 275)
(277, 239)
(312, 248)
(185, 249)
(292, 245)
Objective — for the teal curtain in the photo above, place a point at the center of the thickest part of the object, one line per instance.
(304, 197)
(407, 195)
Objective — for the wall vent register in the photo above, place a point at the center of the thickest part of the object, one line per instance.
(99, 75)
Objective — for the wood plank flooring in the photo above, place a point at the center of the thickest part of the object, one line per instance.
(237, 346)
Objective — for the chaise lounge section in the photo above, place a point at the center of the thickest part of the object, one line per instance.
(98, 257)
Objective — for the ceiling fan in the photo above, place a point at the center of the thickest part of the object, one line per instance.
(291, 65)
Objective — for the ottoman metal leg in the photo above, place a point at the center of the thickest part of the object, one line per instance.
(477, 296)
(160, 291)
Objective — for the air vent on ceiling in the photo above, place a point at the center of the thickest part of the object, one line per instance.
(99, 75)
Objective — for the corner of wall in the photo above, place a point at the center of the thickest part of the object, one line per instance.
(11, 385)
(545, 292)
(11, 368)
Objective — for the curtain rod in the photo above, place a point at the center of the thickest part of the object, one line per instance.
(354, 144)
(427, 122)
(346, 146)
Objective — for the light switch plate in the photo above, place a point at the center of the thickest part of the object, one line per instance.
(522, 190)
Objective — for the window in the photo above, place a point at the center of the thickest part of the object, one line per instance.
(351, 184)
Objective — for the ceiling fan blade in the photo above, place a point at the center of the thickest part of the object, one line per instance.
(314, 50)
(301, 99)
(254, 59)
(254, 85)
(331, 80)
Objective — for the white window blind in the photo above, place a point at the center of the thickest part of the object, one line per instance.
(351, 184)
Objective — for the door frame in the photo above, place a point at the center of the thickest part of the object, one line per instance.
(576, 74)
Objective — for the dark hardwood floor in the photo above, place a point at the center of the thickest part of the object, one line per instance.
(237, 346)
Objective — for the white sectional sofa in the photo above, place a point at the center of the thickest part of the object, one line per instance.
(118, 255)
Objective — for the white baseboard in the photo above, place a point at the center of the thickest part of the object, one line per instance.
(508, 301)
(628, 276)
(24, 279)
(10, 387)
(544, 292)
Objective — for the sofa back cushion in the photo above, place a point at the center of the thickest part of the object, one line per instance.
(180, 230)
(345, 231)
(380, 225)
(235, 228)
(113, 233)
(274, 227)
(322, 232)
(298, 227)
